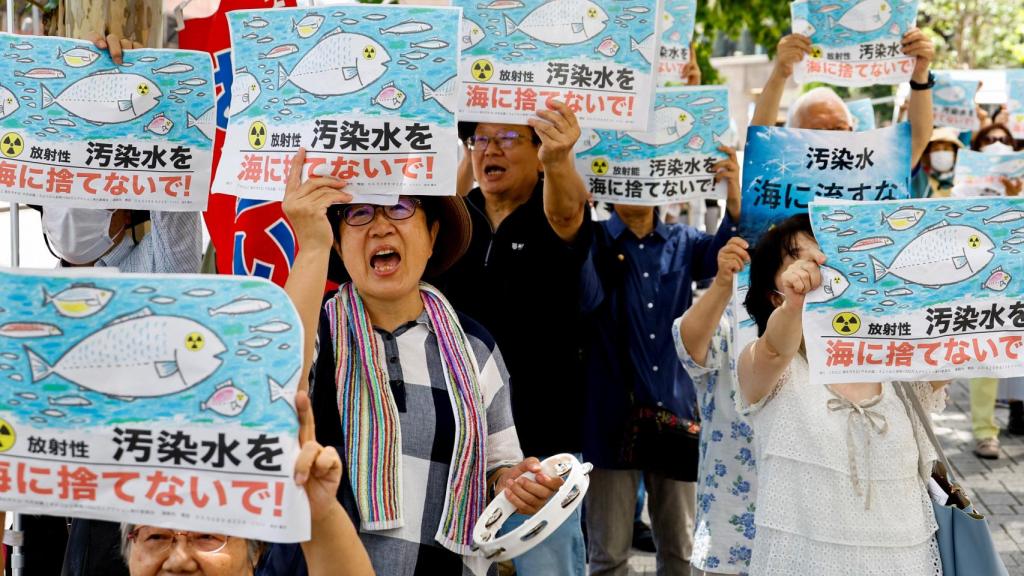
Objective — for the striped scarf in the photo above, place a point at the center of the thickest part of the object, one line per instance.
(370, 422)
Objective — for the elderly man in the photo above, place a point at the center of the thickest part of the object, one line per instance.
(822, 109)
(520, 278)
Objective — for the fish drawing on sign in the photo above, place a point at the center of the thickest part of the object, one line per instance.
(21, 46)
(801, 26)
(78, 300)
(952, 93)
(943, 254)
(162, 300)
(255, 22)
(226, 400)
(296, 101)
(867, 244)
(40, 74)
(339, 63)
(308, 26)
(200, 292)
(29, 330)
(673, 123)
(432, 44)
(69, 400)
(608, 47)
(645, 46)
(500, 5)
(415, 55)
(443, 94)
(77, 57)
(833, 284)
(175, 68)
(107, 97)
(470, 34)
(998, 280)
(587, 140)
(279, 392)
(160, 124)
(897, 292)
(903, 218)
(181, 91)
(389, 97)
(279, 51)
(8, 102)
(274, 327)
(245, 89)
(561, 22)
(192, 82)
(206, 123)
(837, 216)
(407, 27)
(241, 305)
(865, 16)
(1007, 216)
(256, 342)
(138, 355)
(374, 17)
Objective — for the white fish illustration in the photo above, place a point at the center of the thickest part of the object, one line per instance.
(998, 280)
(645, 46)
(53, 413)
(1014, 241)
(952, 93)
(192, 82)
(275, 327)
(943, 254)
(256, 342)
(69, 400)
(21, 46)
(638, 9)
(241, 305)
(144, 290)
(432, 44)
(561, 22)
(160, 124)
(837, 216)
(242, 352)
(245, 89)
(255, 22)
(525, 46)
(673, 123)
(249, 36)
(138, 355)
(308, 26)
(42, 74)
(833, 284)
(374, 17)
(279, 392)
(867, 244)
(801, 26)
(296, 101)
(279, 51)
(8, 102)
(350, 22)
(830, 229)
(50, 130)
(587, 140)
(162, 300)
(207, 122)
(702, 101)
(29, 330)
(1007, 216)
(28, 395)
(898, 292)
(181, 91)
(339, 63)
(888, 302)
(77, 57)
(389, 97)
(444, 94)
(407, 27)
(470, 34)
(9, 356)
(78, 300)
(954, 214)
(500, 5)
(200, 292)
(226, 400)
(175, 68)
(865, 16)
(415, 55)
(904, 218)
(107, 97)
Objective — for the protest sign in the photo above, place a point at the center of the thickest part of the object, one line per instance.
(744, 328)
(670, 164)
(165, 400)
(863, 114)
(981, 174)
(854, 42)
(368, 91)
(933, 292)
(677, 22)
(80, 131)
(1015, 102)
(785, 169)
(598, 57)
(953, 103)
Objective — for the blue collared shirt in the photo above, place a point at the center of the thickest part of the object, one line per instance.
(633, 288)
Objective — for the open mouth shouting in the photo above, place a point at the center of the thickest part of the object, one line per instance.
(384, 260)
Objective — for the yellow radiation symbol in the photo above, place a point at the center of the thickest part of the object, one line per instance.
(599, 166)
(257, 135)
(194, 341)
(12, 144)
(974, 241)
(142, 89)
(7, 436)
(482, 70)
(846, 323)
(592, 12)
(816, 52)
(369, 52)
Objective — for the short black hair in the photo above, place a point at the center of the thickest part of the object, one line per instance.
(430, 205)
(467, 129)
(777, 243)
(981, 134)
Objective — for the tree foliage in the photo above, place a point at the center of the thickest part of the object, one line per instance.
(975, 34)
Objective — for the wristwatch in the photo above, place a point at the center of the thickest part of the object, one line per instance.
(927, 85)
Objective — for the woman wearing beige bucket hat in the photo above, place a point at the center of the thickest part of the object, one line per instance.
(413, 395)
(934, 178)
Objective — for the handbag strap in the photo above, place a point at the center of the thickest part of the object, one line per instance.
(909, 397)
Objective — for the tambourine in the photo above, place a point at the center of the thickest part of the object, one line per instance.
(532, 532)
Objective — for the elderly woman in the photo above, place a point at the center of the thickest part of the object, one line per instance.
(333, 549)
(841, 473)
(414, 395)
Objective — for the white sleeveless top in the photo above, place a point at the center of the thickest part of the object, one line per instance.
(839, 489)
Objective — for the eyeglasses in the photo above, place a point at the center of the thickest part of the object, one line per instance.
(505, 141)
(159, 541)
(991, 139)
(363, 214)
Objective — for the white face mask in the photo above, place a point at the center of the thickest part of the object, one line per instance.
(942, 160)
(78, 235)
(997, 148)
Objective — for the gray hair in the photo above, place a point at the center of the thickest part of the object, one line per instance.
(254, 548)
(815, 96)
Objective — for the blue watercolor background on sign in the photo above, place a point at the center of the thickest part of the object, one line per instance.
(892, 294)
(970, 163)
(954, 93)
(680, 15)
(709, 107)
(624, 25)
(863, 114)
(846, 23)
(781, 154)
(21, 54)
(280, 358)
(367, 20)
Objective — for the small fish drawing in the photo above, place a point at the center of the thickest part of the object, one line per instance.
(285, 112)
(432, 44)
(28, 395)
(977, 208)
(830, 229)
(50, 130)
(1007, 216)
(256, 342)
(296, 101)
(69, 400)
(253, 358)
(444, 94)
(1014, 241)
(255, 22)
(389, 97)
(53, 413)
(40, 74)
(162, 300)
(192, 82)
(275, 327)
(16, 377)
(160, 124)
(350, 22)
(226, 400)
(249, 36)
(21, 46)
(181, 91)
(374, 17)
(279, 51)
(77, 57)
(9, 356)
(525, 46)
(265, 40)
(638, 9)
(29, 330)
(500, 5)
(78, 300)
(954, 214)
(888, 302)
(998, 280)
(837, 216)
(860, 264)
(608, 47)
(898, 292)
(241, 305)
(25, 60)
(702, 101)
(308, 26)
(407, 27)
(415, 55)
(175, 68)
(279, 392)
(903, 219)
(870, 292)
(867, 244)
(144, 290)
(284, 347)
(242, 352)
(411, 67)
(951, 93)
(849, 232)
